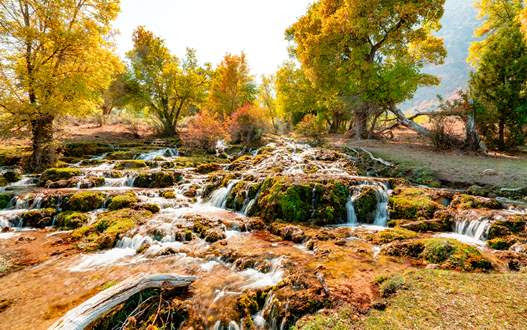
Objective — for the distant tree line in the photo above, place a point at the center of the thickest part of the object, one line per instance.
(352, 64)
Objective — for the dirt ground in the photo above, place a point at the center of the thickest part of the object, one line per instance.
(502, 170)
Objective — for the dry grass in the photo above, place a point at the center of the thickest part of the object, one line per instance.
(443, 300)
(452, 166)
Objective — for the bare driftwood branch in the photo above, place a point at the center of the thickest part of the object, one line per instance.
(91, 310)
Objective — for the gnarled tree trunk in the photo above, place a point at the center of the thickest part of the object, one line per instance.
(90, 311)
(44, 153)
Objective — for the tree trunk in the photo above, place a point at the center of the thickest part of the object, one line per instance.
(472, 140)
(410, 123)
(96, 307)
(360, 123)
(501, 134)
(44, 153)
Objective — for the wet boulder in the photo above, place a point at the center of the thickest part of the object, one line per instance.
(108, 228)
(122, 155)
(514, 225)
(57, 174)
(38, 218)
(412, 203)
(391, 235)
(447, 253)
(5, 199)
(86, 149)
(162, 179)
(71, 220)
(365, 204)
(320, 203)
(465, 202)
(12, 175)
(85, 201)
(208, 168)
(128, 200)
(130, 165)
(214, 234)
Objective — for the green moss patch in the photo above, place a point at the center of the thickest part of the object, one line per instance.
(58, 174)
(86, 201)
(123, 201)
(472, 202)
(412, 203)
(130, 165)
(71, 220)
(318, 202)
(109, 226)
(161, 179)
(390, 235)
(448, 253)
(38, 218)
(5, 199)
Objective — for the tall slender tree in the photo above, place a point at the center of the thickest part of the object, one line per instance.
(500, 80)
(163, 84)
(55, 57)
(232, 86)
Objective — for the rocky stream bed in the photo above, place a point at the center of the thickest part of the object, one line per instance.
(270, 236)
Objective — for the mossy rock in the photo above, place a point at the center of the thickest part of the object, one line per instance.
(154, 208)
(320, 203)
(58, 174)
(448, 253)
(122, 155)
(471, 202)
(5, 200)
(86, 149)
(412, 203)
(169, 194)
(38, 218)
(208, 168)
(130, 165)
(391, 235)
(502, 243)
(124, 201)
(365, 204)
(443, 222)
(86, 201)
(513, 225)
(71, 220)
(156, 180)
(108, 228)
(12, 176)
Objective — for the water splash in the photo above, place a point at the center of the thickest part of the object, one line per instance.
(219, 197)
(351, 216)
(477, 229)
(167, 153)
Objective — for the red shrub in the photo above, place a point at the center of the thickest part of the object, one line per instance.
(247, 125)
(203, 131)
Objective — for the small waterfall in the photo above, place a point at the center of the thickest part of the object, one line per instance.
(477, 229)
(259, 319)
(350, 212)
(219, 197)
(134, 243)
(163, 153)
(381, 214)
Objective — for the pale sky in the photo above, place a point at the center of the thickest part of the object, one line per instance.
(216, 27)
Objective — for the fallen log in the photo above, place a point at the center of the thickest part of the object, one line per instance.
(82, 316)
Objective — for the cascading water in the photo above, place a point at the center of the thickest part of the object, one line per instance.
(477, 229)
(163, 153)
(350, 213)
(381, 213)
(219, 197)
